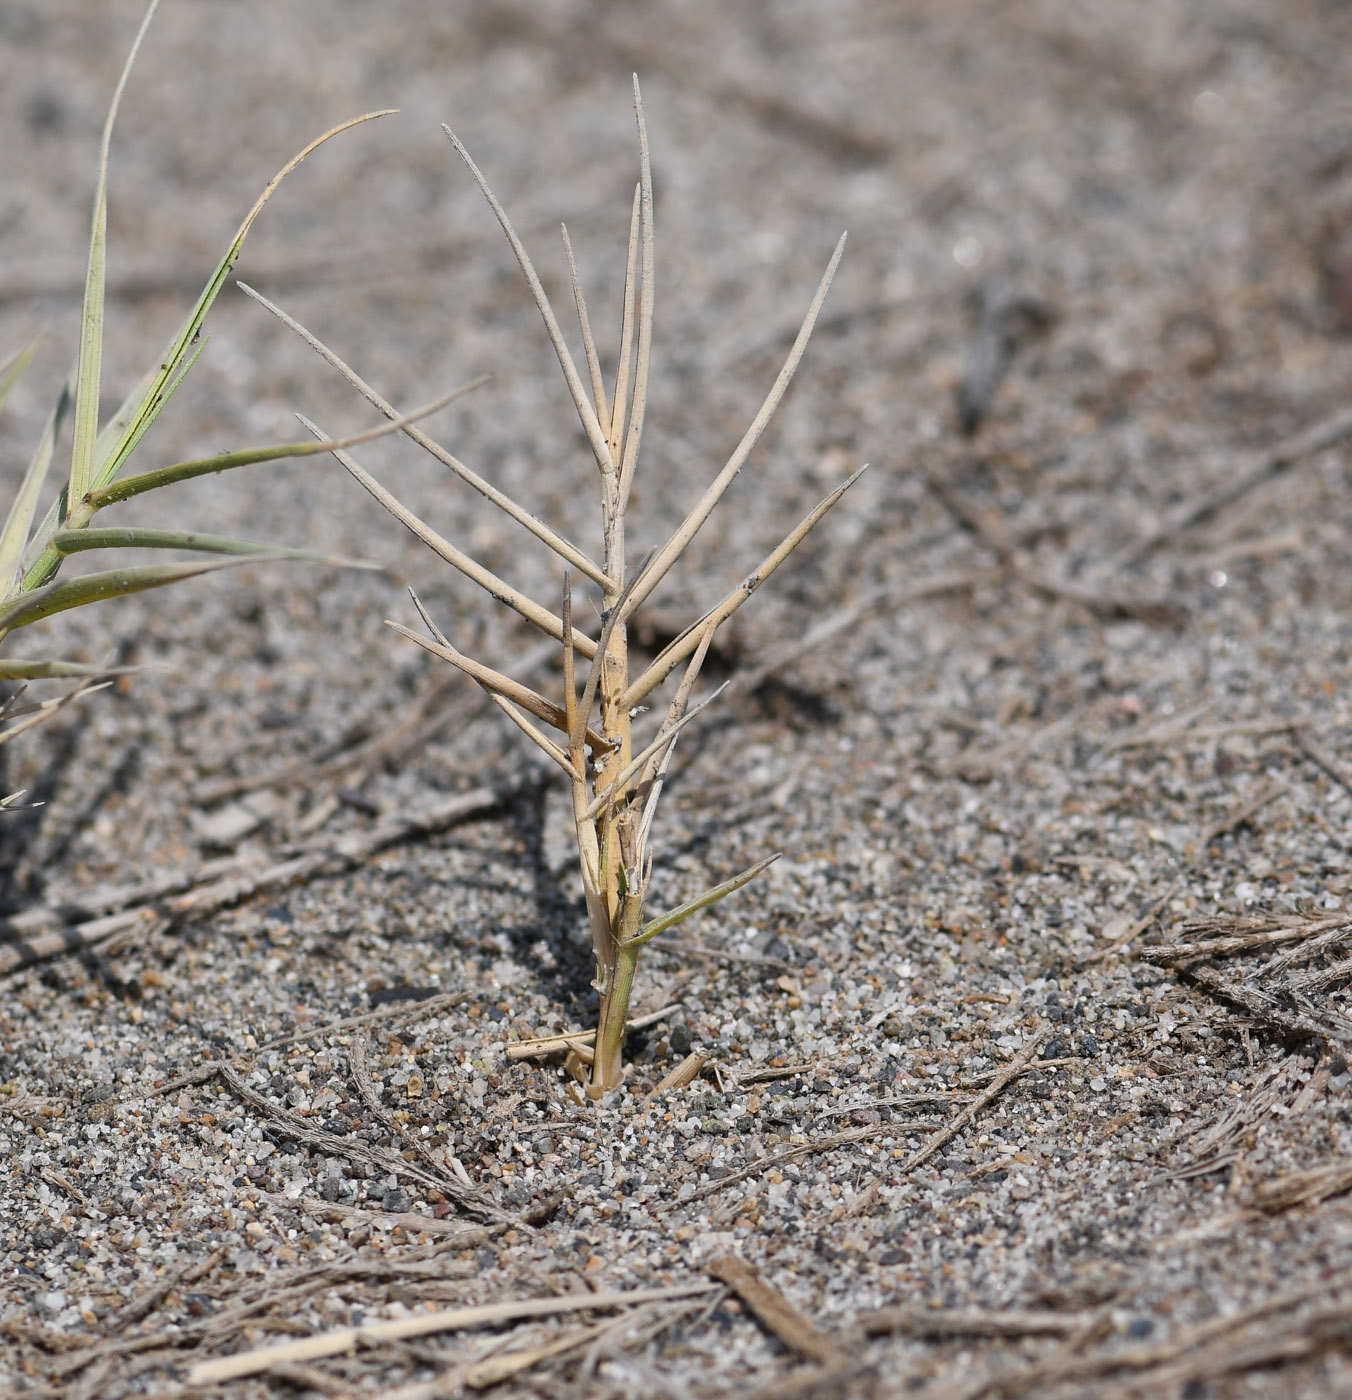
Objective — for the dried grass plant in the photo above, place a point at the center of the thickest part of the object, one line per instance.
(30, 558)
(615, 778)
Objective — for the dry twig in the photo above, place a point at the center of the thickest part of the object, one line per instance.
(306, 860)
(1263, 466)
(1019, 1065)
(342, 1339)
(775, 1311)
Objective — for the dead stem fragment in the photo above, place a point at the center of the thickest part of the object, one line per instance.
(342, 1339)
(775, 1311)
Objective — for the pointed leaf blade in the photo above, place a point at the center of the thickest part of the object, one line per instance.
(110, 583)
(19, 521)
(15, 367)
(89, 372)
(138, 485)
(154, 394)
(702, 901)
(58, 670)
(131, 537)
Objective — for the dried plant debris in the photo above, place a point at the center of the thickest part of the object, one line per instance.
(1267, 974)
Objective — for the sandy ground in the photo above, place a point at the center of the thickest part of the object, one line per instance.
(976, 1121)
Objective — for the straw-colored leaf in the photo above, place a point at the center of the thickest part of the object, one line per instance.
(588, 340)
(634, 433)
(534, 613)
(689, 641)
(692, 906)
(624, 363)
(591, 424)
(532, 732)
(566, 551)
(664, 740)
(497, 684)
(670, 552)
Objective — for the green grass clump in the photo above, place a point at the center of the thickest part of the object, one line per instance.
(31, 557)
(615, 778)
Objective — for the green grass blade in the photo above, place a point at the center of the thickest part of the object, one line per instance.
(111, 583)
(88, 375)
(13, 369)
(138, 485)
(139, 413)
(57, 670)
(131, 537)
(124, 434)
(702, 901)
(20, 519)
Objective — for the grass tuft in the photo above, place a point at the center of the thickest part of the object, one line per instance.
(615, 780)
(30, 557)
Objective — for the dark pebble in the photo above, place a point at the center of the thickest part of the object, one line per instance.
(680, 1039)
(1089, 1047)
(396, 1200)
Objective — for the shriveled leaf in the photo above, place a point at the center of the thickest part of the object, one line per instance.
(486, 489)
(111, 583)
(689, 640)
(692, 906)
